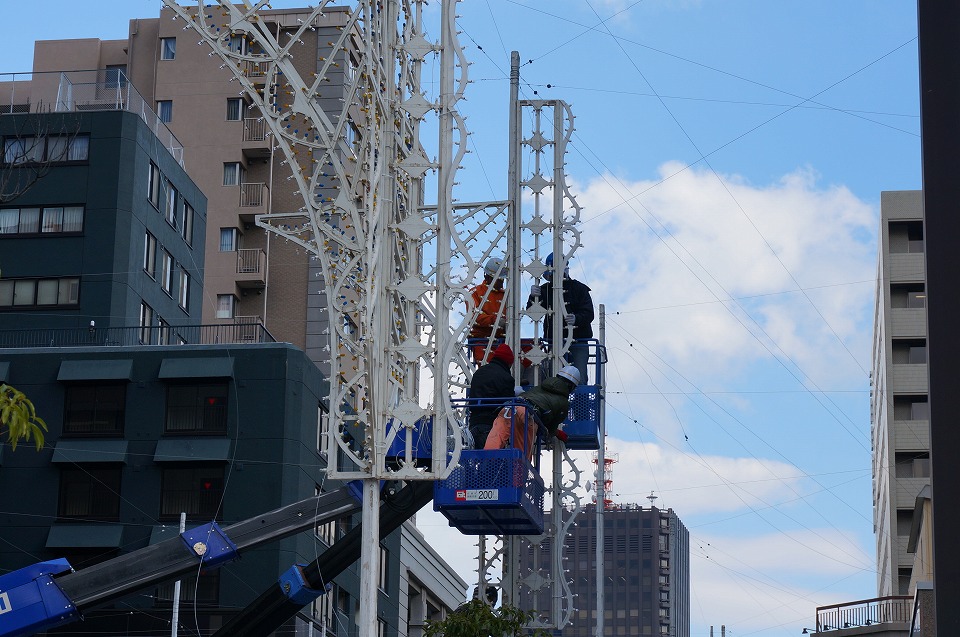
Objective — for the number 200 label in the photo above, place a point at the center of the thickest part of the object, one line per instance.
(473, 495)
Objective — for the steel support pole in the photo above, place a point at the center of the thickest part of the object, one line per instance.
(601, 478)
(369, 557)
(514, 252)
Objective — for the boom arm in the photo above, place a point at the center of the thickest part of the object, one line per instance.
(302, 584)
(38, 598)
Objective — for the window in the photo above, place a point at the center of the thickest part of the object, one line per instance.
(150, 256)
(911, 408)
(168, 48)
(39, 292)
(166, 271)
(56, 220)
(384, 569)
(165, 111)
(184, 290)
(232, 173)
(906, 236)
(116, 76)
(163, 331)
(196, 491)
(171, 196)
(91, 493)
(234, 109)
(909, 351)
(51, 148)
(226, 303)
(22, 150)
(912, 464)
(199, 408)
(79, 148)
(146, 323)
(910, 295)
(229, 239)
(153, 186)
(95, 410)
(238, 44)
(903, 580)
(186, 223)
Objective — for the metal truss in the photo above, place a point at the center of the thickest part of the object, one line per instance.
(360, 169)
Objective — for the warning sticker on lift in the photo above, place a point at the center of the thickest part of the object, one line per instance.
(474, 495)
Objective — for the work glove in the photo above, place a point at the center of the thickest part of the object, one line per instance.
(518, 390)
(561, 435)
(534, 290)
(570, 319)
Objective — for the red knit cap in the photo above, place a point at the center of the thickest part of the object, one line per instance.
(504, 354)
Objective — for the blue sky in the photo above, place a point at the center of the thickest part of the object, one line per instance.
(729, 157)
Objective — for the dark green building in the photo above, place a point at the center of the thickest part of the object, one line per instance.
(98, 222)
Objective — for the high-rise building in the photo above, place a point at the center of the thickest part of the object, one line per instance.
(646, 572)
(899, 409)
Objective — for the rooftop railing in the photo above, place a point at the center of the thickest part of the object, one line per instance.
(866, 612)
(76, 91)
(133, 336)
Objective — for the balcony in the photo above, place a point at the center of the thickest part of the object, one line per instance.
(251, 268)
(247, 328)
(868, 612)
(252, 195)
(256, 72)
(251, 330)
(253, 201)
(256, 138)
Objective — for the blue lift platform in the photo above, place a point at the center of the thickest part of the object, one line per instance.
(501, 492)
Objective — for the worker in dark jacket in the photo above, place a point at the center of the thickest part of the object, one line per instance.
(492, 380)
(550, 403)
(577, 312)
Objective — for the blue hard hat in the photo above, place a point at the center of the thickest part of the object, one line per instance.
(549, 263)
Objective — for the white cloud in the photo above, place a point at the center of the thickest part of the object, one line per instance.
(666, 256)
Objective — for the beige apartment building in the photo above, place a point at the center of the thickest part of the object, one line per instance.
(899, 409)
(250, 276)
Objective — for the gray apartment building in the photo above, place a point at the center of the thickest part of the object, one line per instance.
(899, 409)
(646, 582)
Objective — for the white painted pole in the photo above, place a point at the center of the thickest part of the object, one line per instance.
(175, 620)
(369, 557)
(601, 476)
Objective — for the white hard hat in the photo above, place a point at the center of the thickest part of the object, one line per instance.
(494, 269)
(571, 373)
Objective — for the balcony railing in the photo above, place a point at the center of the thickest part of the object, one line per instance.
(238, 332)
(251, 195)
(255, 129)
(256, 69)
(250, 260)
(867, 612)
(73, 91)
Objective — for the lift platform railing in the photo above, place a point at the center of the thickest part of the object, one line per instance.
(497, 491)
